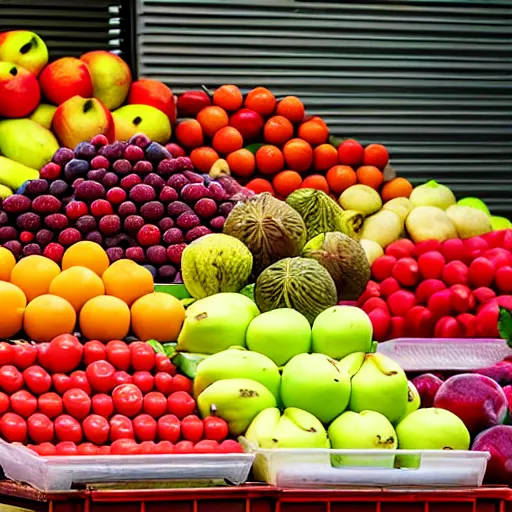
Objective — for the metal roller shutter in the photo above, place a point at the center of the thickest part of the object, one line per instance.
(430, 79)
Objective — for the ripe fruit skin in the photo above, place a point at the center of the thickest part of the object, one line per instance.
(215, 428)
(455, 272)
(23, 403)
(431, 265)
(145, 427)
(504, 279)
(121, 427)
(377, 155)
(77, 403)
(169, 428)
(40, 428)
(65, 353)
(67, 429)
(351, 153)
(50, 404)
(127, 399)
(101, 376)
(192, 428)
(103, 405)
(382, 267)
(181, 404)
(119, 354)
(13, 428)
(94, 350)
(37, 379)
(406, 271)
(400, 302)
(155, 404)
(11, 380)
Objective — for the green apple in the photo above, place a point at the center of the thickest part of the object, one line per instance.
(279, 334)
(380, 385)
(43, 115)
(413, 400)
(132, 119)
(498, 223)
(342, 330)
(317, 384)
(25, 49)
(474, 202)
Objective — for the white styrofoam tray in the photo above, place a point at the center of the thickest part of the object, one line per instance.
(60, 473)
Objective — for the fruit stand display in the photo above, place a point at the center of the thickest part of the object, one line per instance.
(192, 285)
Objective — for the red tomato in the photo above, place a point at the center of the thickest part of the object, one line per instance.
(101, 376)
(164, 364)
(143, 356)
(77, 403)
(13, 428)
(40, 428)
(145, 427)
(87, 449)
(127, 399)
(94, 350)
(155, 404)
(37, 380)
(66, 448)
(11, 379)
(42, 356)
(164, 447)
(65, 353)
(230, 446)
(215, 428)
(67, 429)
(163, 383)
(50, 404)
(6, 353)
(119, 354)
(192, 428)
(103, 405)
(124, 447)
(121, 428)
(181, 404)
(181, 383)
(104, 450)
(79, 380)
(184, 447)
(45, 449)
(5, 402)
(61, 383)
(169, 428)
(24, 355)
(122, 377)
(23, 403)
(96, 429)
(206, 446)
(144, 381)
(147, 448)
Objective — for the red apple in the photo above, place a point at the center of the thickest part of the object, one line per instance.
(65, 78)
(155, 94)
(19, 91)
(248, 123)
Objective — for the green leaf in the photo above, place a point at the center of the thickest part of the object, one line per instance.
(248, 291)
(156, 346)
(187, 302)
(254, 147)
(505, 325)
(169, 349)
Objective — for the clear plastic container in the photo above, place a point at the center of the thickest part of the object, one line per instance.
(419, 354)
(312, 468)
(61, 473)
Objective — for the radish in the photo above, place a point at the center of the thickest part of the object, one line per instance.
(402, 248)
(397, 328)
(455, 272)
(427, 246)
(406, 271)
(374, 303)
(427, 288)
(447, 327)
(504, 279)
(389, 286)
(453, 249)
(400, 302)
(431, 265)
(381, 322)
(440, 303)
(462, 299)
(481, 272)
(382, 267)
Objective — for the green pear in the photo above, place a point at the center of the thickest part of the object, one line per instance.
(474, 202)
(27, 142)
(263, 425)
(317, 384)
(237, 401)
(216, 323)
(13, 174)
(498, 223)
(341, 330)
(132, 119)
(237, 363)
(413, 400)
(352, 363)
(43, 115)
(279, 334)
(380, 385)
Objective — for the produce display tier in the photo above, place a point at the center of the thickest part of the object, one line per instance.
(255, 498)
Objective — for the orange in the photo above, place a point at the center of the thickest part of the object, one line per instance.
(314, 131)
(286, 182)
(325, 156)
(33, 275)
(227, 140)
(269, 159)
(7, 262)
(377, 155)
(203, 158)
(261, 100)
(105, 318)
(228, 97)
(127, 281)
(157, 316)
(242, 163)
(277, 130)
(48, 316)
(291, 108)
(13, 303)
(298, 155)
(340, 177)
(259, 185)
(86, 254)
(370, 176)
(189, 133)
(212, 119)
(77, 285)
(399, 187)
(316, 181)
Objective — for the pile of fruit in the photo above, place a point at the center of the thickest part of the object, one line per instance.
(65, 398)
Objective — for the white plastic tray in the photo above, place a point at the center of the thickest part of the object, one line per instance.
(419, 354)
(311, 468)
(60, 473)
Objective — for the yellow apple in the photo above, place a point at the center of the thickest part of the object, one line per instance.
(43, 115)
(24, 48)
(132, 119)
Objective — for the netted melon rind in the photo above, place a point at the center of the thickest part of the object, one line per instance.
(345, 260)
(215, 263)
(319, 211)
(298, 283)
(270, 229)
